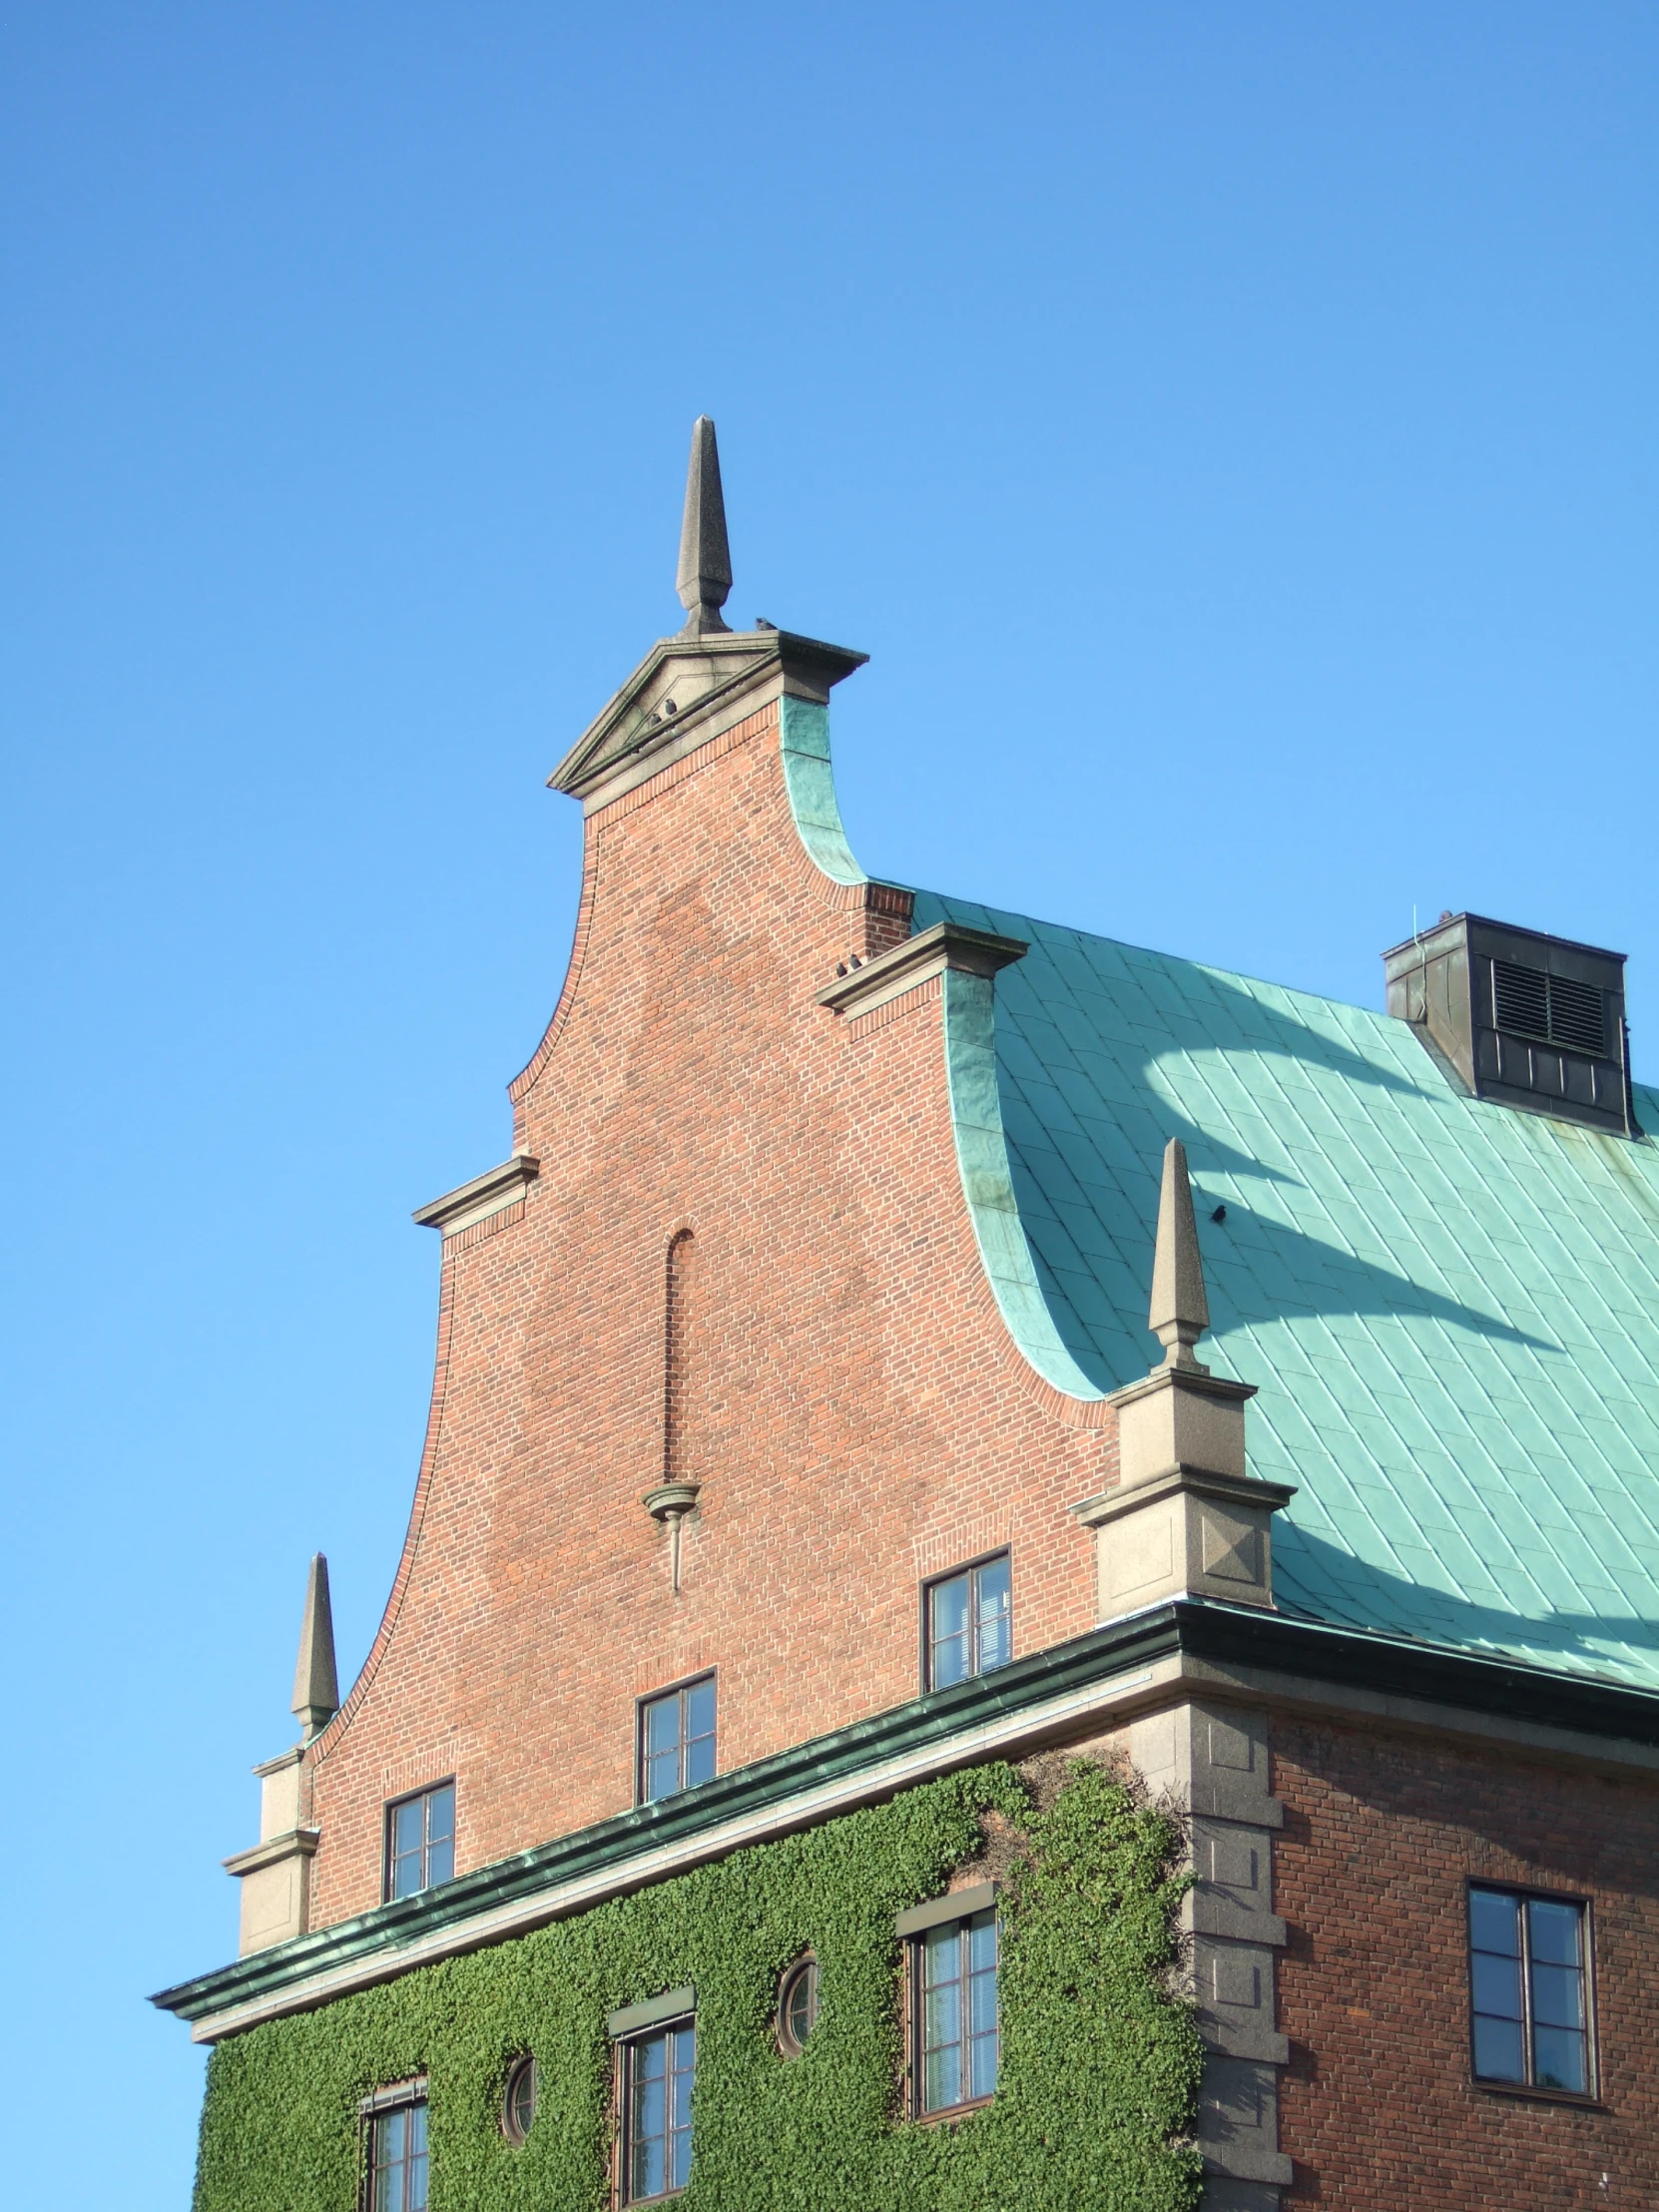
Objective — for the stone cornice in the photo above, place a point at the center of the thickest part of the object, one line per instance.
(1232, 1489)
(485, 1195)
(949, 944)
(299, 1843)
(1126, 1665)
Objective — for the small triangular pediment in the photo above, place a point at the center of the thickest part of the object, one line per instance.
(687, 688)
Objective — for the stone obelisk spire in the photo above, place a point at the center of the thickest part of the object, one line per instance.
(705, 579)
(1180, 1311)
(315, 1686)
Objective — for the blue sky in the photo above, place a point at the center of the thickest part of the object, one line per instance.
(1229, 428)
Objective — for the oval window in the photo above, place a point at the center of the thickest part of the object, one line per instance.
(798, 2005)
(518, 2108)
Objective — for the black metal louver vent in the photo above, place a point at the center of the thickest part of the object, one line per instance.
(1530, 1003)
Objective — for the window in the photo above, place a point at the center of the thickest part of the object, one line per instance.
(518, 2104)
(954, 2033)
(397, 2151)
(798, 2005)
(657, 2075)
(969, 1623)
(677, 1738)
(420, 1841)
(1528, 1978)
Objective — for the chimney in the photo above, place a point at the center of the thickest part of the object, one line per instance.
(1521, 1018)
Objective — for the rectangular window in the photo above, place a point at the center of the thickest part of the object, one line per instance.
(1529, 1990)
(677, 1738)
(397, 2158)
(969, 1623)
(656, 2077)
(420, 1841)
(954, 1969)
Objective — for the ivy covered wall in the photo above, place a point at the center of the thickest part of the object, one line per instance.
(1099, 2069)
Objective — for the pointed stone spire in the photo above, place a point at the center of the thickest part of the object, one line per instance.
(1180, 1311)
(705, 579)
(315, 1686)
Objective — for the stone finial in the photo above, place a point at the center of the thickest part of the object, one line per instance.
(315, 1686)
(705, 579)
(1180, 1313)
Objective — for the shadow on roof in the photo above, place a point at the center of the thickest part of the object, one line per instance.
(1321, 1580)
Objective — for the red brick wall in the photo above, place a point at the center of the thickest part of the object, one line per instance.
(852, 1405)
(1377, 2107)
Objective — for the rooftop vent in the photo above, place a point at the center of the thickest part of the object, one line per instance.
(1529, 1020)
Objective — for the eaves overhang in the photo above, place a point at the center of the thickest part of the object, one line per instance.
(1105, 1675)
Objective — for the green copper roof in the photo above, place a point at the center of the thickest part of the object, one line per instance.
(1450, 1308)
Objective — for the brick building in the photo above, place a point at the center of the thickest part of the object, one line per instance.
(802, 1476)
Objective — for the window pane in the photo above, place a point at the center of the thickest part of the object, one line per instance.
(648, 2064)
(950, 1648)
(661, 1725)
(1494, 1922)
(415, 2189)
(1555, 1932)
(996, 1637)
(700, 1760)
(440, 1861)
(1498, 2055)
(406, 1827)
(981, 1936)
(440, 1813)
(684, 2044)
(1497, 1984)
(942, 2078)
(1558, 1996)
(982, 2065)
(700, 1709)
(941, 2016)
(1560, 2059)
(405, 1875)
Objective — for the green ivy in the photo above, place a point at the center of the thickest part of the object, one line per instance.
(1099, 2069)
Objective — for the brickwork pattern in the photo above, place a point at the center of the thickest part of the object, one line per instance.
(1382, 1833)
(853, 1404)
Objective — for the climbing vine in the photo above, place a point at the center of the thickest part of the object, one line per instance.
(1100, 2059)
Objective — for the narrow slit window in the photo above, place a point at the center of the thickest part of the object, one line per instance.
(420, 1841)
(677, 1740)
(969, 1622)
(1529, 1991)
